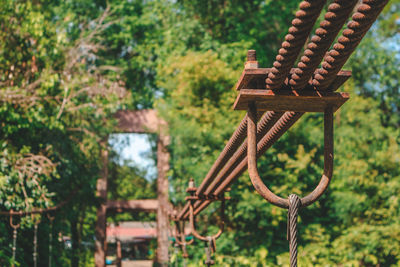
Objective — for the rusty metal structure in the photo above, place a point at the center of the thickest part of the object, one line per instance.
(275, 99)
(141, 121)
(36, 219)
(180, 237)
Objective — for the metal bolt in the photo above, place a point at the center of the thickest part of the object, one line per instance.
(251, 62)
(191, 183)
(251, 55)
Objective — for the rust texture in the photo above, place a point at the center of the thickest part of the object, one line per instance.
(142, 121)
(234, 142)
(210, 239)
(336, 16)
(278, 129)
(301, 26)
(251, 55)
(132, 205)
(361, 21)
(293, 203)
(163, 202)
(234, 161)
(180, 237)
(222, 168)
(266, 122)
(281, 127)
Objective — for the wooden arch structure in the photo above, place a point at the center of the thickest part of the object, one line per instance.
(141, 121)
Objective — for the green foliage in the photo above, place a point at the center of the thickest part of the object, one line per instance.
(127, 182)
(261, 23)
(54, 101)
(199, 93)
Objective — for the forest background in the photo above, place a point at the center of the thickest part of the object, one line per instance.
(67, 66)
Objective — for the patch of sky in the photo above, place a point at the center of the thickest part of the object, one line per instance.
(136, 150)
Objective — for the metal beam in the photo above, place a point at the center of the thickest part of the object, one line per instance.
(133, 205)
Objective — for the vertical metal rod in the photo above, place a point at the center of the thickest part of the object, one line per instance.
(14, 248)
(183, 240)
(35, 245)
(209, 260)
(50, 242)
(119, 254)
(328, 141)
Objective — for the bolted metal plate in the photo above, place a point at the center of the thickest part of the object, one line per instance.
(290, 100)
(255, 79)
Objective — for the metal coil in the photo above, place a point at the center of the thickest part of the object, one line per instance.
(264, 125)
(356, 29)
(294, 41)
(337, 14)
(234, 142)
(280, 127)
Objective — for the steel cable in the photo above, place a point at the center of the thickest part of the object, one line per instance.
(234, 142)
(266, 122)
(301, 26)
(362, 20)
(294, 205)
(356, 29)
(336, 16)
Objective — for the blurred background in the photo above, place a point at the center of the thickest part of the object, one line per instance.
(67, 66)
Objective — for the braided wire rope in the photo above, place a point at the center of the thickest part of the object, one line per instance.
(301, 27)
(210, 249)
(362, 20)
(338, 12)
(294, 205)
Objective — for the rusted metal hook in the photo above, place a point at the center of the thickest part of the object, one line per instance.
(14, 226)
(193, 224)
(14, 246)
(180, 237)
(191, 201)
(258, 184)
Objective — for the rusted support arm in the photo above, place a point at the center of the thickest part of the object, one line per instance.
(258, 184)
(135, 204)
(180, 237)
(191, 200)
(328, 161)
(193, 224)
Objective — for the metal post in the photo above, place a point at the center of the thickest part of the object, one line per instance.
(163, 204)
(100, 230)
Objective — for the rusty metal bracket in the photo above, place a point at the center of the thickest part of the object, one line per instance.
(14, 245)
(210, 241)
(180, 238)
(12, 224)
(192, 189)
(258, 184)
(193, 224)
